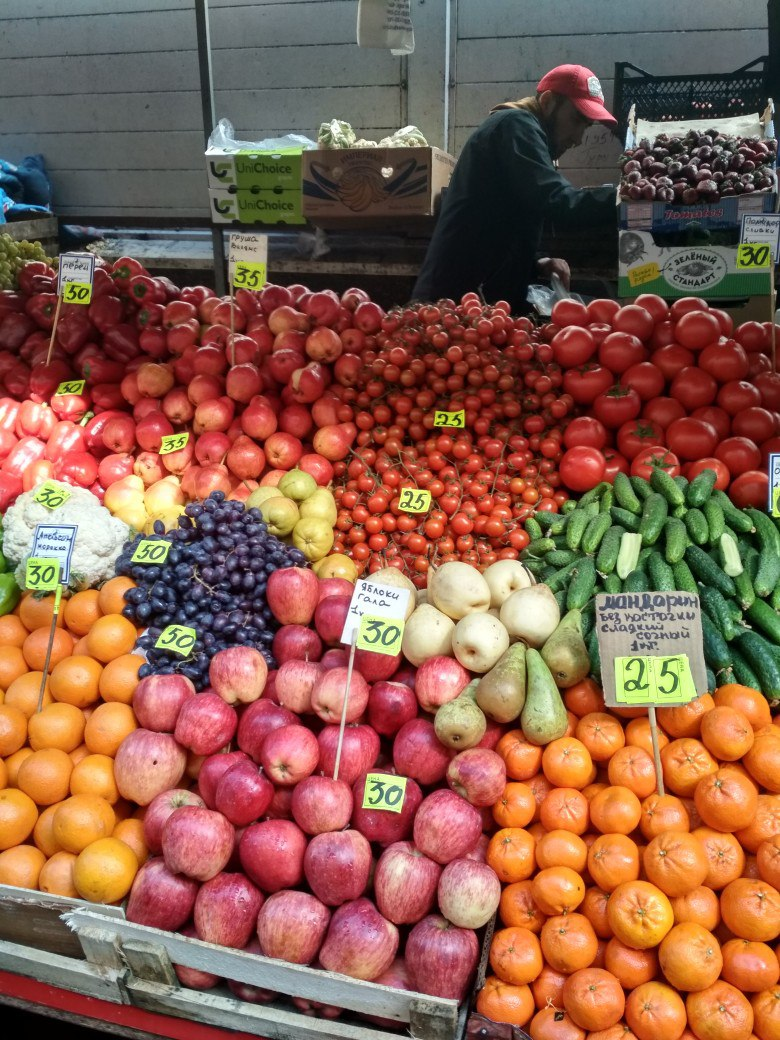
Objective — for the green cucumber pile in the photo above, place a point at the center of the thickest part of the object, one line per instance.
(668, 534)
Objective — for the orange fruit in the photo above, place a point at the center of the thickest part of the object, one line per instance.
(612, 860)
(13, 762)
(699, 906)
(764, 825)
(3, 774)
(675, 862)
(56, 875)
(515, 955)
(566, 762)
(75, 681)
(615, 810)
(768, 860)
(750, 966)
(81, 611)
(111, 636)
(601, 734)
(638, 734)
(24, 692)
(685, 762)
(720, 1012)
(619, 1031)
(557, 890)
(654, 1011)
(111, 596)
(684, 720)
(43, 831)
(593, 789)
(522, 759)
(12, 631)
(511, 853)
(725, 856)
(751, 703)
(518, 909)
(593, 998)
(36, 644)
(78, 753)
(663, 813)
(566, 809)
(503, 1002)
(630, 967)
(594, 907)
(13, 729)
(547, 987)
(82, 819)
(727, 800)
(37, 613)
(516, 807)
(561, 848)
(751, 909)
(119, 678)
(21, 866)
(56, 726)
(726, 733)
(690, 957)
(12, 665)
(107, 727)
(762, 761)
(94, 774)
(541, 787)
(639, 914)
(584, 697)
(45, 775)
(18, 813)
(633, 767)
(568, 942)
(131, 832)
(104, 871)
(766, 1011)
(551, 1024)
(80, 647)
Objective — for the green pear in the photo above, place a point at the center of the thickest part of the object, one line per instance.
(261, 494)
(297, 485)
(501, 691)
(320, 505)
(565, 652)
(543, 717)
(280, 514)
(461, 723)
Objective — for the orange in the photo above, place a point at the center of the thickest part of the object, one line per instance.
(547, 987)
(566, 762)
(522, 759)
(690, 957)
(13, 729)
(568, 942)
(21, 866)
(516, 807)
(511, 853)
(685, 762)
(639, 914)
(502, 1002)
(557, 890)
(43, 831)
(104, 871)
(18, 814)
(107, 727)
(615, 810)
(517, 907)
(111, 636)
(94, 774)
(751, 909)
(675, 862)
(630, 967)
(684, 720)
(633, 767)
(654, 1011)
(131, 832)
(75, 681)
(699, 906)
(601, 734)
(78, 753)
(726, 733)
(725, 856)
(37, 613)
(111, 596)
(45, 775)
(3, 774)
(119, 678)
(12, 665)
(619, 1031)
(560, 848)
(720, 1012)
(541, 787)
(594, 907)
(56, 875)
(768, 860)
(762, 761)
(584, 697)
(727, 800)
(81, 611)
(551, 1024)
(24, 692)
(612, 860)
(82, 819)
(766, 1011)
(764, 825)
(515, 955)
(750, 966)
(564, 808)
(638, 735)
(35, 646)
(13, 762)
(594, 998)
(663, 813)
(80, 647)
(56, 726)
(12, 631)
(750, 702)
(593, 789)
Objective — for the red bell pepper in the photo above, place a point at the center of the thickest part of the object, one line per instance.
(154, 341)
(142, 288)
(44, 379)
(73, 331)
(27, 451)
(9, 412)
(42, 307)
(17, 381)
(76, 467)
(36, 473)
(170, 290)
(121, 342)
(96, 368)
(35, 277)
(8, 440)
(37, 343)
(150, 314)
(11, 302)
(107, 395)
(124, 269)
(72, 406)
(102, 282)
(35, 419)
(105, 310)
(66, 436)
(14, 330)
(98, 491)
(10, 489)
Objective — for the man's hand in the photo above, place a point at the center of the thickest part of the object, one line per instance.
(550, 265)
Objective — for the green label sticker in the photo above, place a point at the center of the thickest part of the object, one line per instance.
(42, 575)
(414, 500)
(178, 639)
(454, 419)
(249, 274)
(645, 273)
(384, 791)
(70, 386)
(753, 254)
(77, 292)
(51, 495)
(173, 442)
(151, 551)
(380, 634)
(660, 681)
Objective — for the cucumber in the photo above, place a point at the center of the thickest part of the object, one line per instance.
(684, 581)
(706, 571)
(716, 649)
(539, 546)
(592, 643)
(607, 557)
(729, 554)
(654, 514)
(559, 578)
(593, 495)
(628, 554)
(661, 482)
(588, 618)
(737, 519)
(595, 531)
(560, 557)
(607, 500)
(717, 607)
(758, 653)
(641, 487)
(582, 586)
(765, 618)
(712, 682)
(675, 539)
(560, 599)
(538, 567)
(636, 582)
(716, 521)
(768, 573)
(701, 487)
(575, 529)
(682, 483)
(696, 526)
(774, 599)
(743, 672)
(612, 583)
(746, 594)
(660, 573)
(625, 496)
(544, 520)
(569, 505)
(533, 528)
(630, 521)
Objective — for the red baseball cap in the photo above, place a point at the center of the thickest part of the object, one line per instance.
(581, 87)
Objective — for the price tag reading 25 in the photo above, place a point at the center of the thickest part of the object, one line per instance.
(654, 680)
(457, 420)
(177, 639)
(414, 500)
(384, 791)
(382, 635)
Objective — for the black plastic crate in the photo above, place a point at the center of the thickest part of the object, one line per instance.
(711, 95)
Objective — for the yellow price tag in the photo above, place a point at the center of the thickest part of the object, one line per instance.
(384, 791)
(645, 273)
(753, 254)
(51, 495)
(414, 500)
(173, 442)
(151, 551)
(660, 681)
(454, 419)
(775, 512)
(249, 274)
(177, 639)
(77, 292)
(42, 575)
(380, 634)
(70, 386)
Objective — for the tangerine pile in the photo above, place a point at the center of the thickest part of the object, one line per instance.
(63, 827)
(626, 914)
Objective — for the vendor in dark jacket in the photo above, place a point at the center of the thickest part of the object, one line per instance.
(505, 187)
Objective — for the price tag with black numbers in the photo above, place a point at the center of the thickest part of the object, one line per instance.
(248, 260)
(454, 420)
(70, 386)
(150, 551)
(414, 500)
(75, 274)
(380, 634)
(384, 791)
(42, 575)
(660, 681)
(177, 639)
(752, 255)
(51, 495)
(173, 442)
(249, 275)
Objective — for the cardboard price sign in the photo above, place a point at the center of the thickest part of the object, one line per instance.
(762, 227)
(660, 681)
(414, 500)
(752, 256)
(248, 261)
(177, 639)
(378, 602)
(663, 626)
(70, 386)
(384, 791)
(75, 275)
(773, 506)
(456, 420)
(55, 542)
(150, 551)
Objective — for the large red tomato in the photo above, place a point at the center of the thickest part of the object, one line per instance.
(725, 360)
(585, 431)
(739, 454)
(663, 334)
(691, 438)
(696, 329)
(722, 475)
(715, 417)
(637, 434)
(573, 346)
(738, 394)
(686, 304)
(663, 410)
(693, 388)
(750, 488)
(672, 359)
(634, 320)
(768, 384)
(569, 312)
(617, 405)
(656, 457)
(581, 468)
(752, 336)
(621, 350)
(758, 424)
(602, 310)
(587, 382)
(646, 378)
(656, 306)
(614, 463)
(725, 321)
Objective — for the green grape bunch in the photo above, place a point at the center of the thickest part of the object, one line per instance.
(14, 255)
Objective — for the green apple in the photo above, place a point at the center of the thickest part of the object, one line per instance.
(280, 514)
(297, 485)
(261, 494)
(314, 537)
(321, 505)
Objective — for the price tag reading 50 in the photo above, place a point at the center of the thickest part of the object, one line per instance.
(177, 639)
(384, 791)
(77, 292)
(42, 575)
(414, 500)
(70, 386)
(249, 275)
(150, 551)
(454, 419)
(654, 680)
(382, 635)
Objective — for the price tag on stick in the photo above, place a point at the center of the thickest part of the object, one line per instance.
(177, 639)
(660, 681)
(383, 602)
(70, 386)
(55, 542)
(384, 791)
(382, 635)
(42, 575)
(248, 261)
(173, 442)
(75, 274)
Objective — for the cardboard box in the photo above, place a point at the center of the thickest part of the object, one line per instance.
(260, 206)
(646, 266)
(720, 215)
(350, 187)
(247, 170)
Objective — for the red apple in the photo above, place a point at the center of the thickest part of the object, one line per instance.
(256, 722)
(317, 467)
(148, 763)
(245, 990)
(288, 754)
(205, 723)
(238, 674)
(329, 617)
(334, 587)
(296, 642)
(375, 667)
(212, 769)
(441, 958)
(469, 893)
(337, 866)
(292, 594)
(158, 811)
(323, 307)
(281, 804)
(291, 926)
(359, 942)
(335, 658)
(271, 854)
(226, 909)
(397, 977)
(330, 691)
(159, 898)
(243, 793)
(197, 842)
(405, 883)
(390, 705)
(446, 826)
(157, 701)
(359, 751)
(324, 345)
(245, 459)
(243, 382)
(382, 825)
(285, 317)
(348, 367)
(258, 420)
(335, 440)
(439, 680)
(194, 978)
(320, 804)
(368, 317)
(294, 682)
(479, 852)
(494, 731)
(418, 753)
(282, 450)
(478, 775)
(273, 296)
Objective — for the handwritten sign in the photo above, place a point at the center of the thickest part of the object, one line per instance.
(150, 551)
(762, 227)
(384, 791)
(76, 270)
(51, 495)
(173, 442)
(381, 635)
(644, 273)
(773, 506)
(248, 261)
(55, 542)
(649, 624)
(456, 420)
(660, 681)
(414, 500)
(42, 575)
(388, 602)
(177, 639)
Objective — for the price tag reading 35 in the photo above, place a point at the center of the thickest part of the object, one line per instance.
(51, 495)
(177, 639)
(75, 274)
(248, 261)
(42, 575)
(382, 635)
(150, 551)
(249, 275)
(660, 681)
(414, 500)
(384, 791)
(173, 442)
(457, 420)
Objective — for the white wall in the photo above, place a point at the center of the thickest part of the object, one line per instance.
(108, 90)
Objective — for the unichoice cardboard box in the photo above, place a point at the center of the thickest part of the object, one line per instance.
(247, 170)
(257, 206)
(352, 186)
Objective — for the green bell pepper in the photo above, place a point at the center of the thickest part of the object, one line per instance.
(10, 593)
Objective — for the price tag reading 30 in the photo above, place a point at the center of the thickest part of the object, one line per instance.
(42, 575)
(457, 420)
(659, 681)
(752, 255)
(150, 551)
(177, 639)
(173, 442)
(382, 635)
(384, 791)
(414, 500)
(51, 495)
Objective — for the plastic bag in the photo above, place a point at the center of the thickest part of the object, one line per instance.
(222, 138)
(541, 298)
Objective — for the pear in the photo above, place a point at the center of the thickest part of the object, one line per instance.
(320, 505)
(461, 723)
(543, 717)
(565, 653)
(501, 691)
(297, 485)
(260, 494)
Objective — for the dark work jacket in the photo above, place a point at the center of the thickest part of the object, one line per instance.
(504, 189)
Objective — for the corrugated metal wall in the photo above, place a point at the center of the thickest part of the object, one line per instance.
(108, 90)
